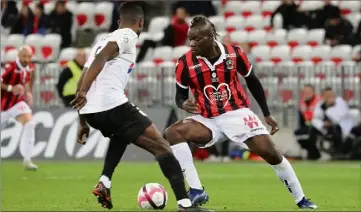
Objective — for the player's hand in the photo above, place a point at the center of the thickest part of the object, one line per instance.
(29, 98)
(79, 101)
(191, 106)
(18, 89)
(273, 123)
(83, 133)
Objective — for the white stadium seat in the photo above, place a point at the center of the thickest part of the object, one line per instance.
(356, 50)
(340, 53)
(275, 38)
(66, 55)
(234, 23)
(14, 41)
(315, 37)
(50, 47)
(250, 8)
(72, 6)
(103, 15)
(85, 15)
(254, 22)
(310, 5)
(232, 8)
(238, 37)
(158, 24)
(269, 6)
(257, 37)
(179, 51)
(261, 53)
(297, 37)
(301, 53)
(49, 7)
(218, 22)
(10, 55)
(320, 53)
(161, 54)
(35, 41)
(347, 7)
(354, 18)
(280, 53)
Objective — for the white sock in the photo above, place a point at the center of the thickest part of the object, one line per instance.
(184, 155)
(105, 180)
(27, 140)
(288, 176)
(185, 203)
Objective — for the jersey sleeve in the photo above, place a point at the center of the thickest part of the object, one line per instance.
(244, 67)
(8, 68)
(90, 58)
(125, 39)
(182, 73)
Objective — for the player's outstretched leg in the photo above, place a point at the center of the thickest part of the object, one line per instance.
(263, 146)
(115, 152)
(27, 140)
(177, 135)
(152, 141)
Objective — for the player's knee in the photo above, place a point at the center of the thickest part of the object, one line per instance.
(25, 119)
(272, 156)
(174, 134)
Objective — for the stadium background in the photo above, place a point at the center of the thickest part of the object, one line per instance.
(284, 59)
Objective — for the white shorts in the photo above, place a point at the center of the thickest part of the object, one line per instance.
(237, 126)
(18, 109)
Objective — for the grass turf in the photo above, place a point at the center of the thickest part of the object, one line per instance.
(66, 186)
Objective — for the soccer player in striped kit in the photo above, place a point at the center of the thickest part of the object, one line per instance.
(16, 96)
(222, 109)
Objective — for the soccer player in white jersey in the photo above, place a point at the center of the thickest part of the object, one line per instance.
(102, 104)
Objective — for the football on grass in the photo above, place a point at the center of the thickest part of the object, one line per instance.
(152, 196)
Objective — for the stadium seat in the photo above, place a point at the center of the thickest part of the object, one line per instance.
(35, 41)
(301, 53)
(85, 15)
(232, 8)
(142, 37)
(264, 68)
(179, 51)
(354, 18)
(310, 5)
(250, 8)
(306, 70)
(103, 15)
(254, 22)
(66, 55)
(14, 41)
(356, 50)
(340, 53)
(218, 22)
(3, 41)
(352, 92)
(10, 55)
(257, 37)
(238, 37)
(158, 24)
(233, 23)
(285, 69)
(296, 37)
(276, 38)
(315, 37)
(261, 53)
(161, 54)
(347, 7)
(288, 90)
(50, 47)
(167, 69)
(320, 53)
(325, 69)
(280, 53)
(268, 7)
(72, 6)
(49, 7)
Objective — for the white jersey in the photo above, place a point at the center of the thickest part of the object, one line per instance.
(107, 90)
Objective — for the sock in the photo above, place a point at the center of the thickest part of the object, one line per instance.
(173, 172)
(184, 155)
(106, 181)
(115, 152)
(27, 140)
(288, 176)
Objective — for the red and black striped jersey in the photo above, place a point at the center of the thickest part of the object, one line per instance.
(14, 74)
(216, 87)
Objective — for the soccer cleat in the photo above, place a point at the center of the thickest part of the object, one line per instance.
(198, 197)
(29, 166)
(103, 195)
(306, 204)
(192, 209)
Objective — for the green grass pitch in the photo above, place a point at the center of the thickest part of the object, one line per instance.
(67, 186)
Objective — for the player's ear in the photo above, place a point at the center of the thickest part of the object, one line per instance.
(141, 23)
(118, 22)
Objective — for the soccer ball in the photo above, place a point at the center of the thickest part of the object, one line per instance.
(152, 196)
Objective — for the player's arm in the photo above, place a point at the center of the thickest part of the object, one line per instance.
(81, 117)
(5, 78)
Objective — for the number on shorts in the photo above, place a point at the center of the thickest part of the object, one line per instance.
(140, 111)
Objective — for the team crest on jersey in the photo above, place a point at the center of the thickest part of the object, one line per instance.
(125, 39)
(230, 64)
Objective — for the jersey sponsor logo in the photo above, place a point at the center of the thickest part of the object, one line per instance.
(221, 93)
(195, 66)
(231, 55)
(252, 121)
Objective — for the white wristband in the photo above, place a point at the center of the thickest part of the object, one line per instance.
(10, 87)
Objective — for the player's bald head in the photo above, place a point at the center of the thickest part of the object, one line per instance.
(26, 50)
(25, 55)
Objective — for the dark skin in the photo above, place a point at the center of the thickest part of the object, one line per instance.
(151, 140)
(202, 44)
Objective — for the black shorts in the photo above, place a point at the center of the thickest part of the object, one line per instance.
(125, 121)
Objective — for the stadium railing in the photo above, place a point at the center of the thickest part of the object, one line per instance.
(149, 87)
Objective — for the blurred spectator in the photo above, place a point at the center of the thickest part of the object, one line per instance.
(353, 144)
(60, 22)
(193, 8)
(292, 18)
(40, 23)
(357, 35)
(338, 30)
(69, 78)
(332, 121)
(305, 114)
(9, 13)
(24, 22)
(321, 16)
(217, 156)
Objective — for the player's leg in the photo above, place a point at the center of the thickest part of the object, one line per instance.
(201, 132)
(152, 141)
(23, 114)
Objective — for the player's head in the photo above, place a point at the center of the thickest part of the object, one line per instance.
(329, 96)
(25, 54)
(201, 34)
(132, 16)
(308, 92)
